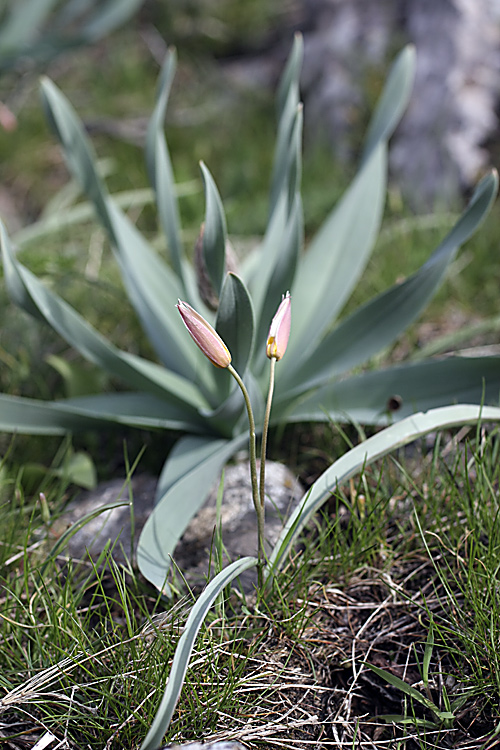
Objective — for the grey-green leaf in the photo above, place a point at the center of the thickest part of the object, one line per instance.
(336, 257)
(393, 101)
(291, 75)
(160, 167)
(143, 410)
(235, 321)
(151, 285)
(186, 490)
(380, 396)
(374, 326)
(365, 453)
(214, 232)
(35, 298)
(184, 649)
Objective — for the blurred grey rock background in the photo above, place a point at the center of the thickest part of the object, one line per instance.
(439, 148)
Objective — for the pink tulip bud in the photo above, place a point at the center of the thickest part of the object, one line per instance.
(279, 331)
(204, 336)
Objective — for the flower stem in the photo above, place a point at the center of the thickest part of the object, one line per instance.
(265, 429)
(253, 475)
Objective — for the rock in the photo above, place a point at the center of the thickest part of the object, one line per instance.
(239, 527)
(439, 148)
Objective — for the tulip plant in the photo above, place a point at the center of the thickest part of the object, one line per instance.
(321, 377)
(217, 352)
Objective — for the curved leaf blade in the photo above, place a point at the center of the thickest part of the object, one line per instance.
(152, 287)
(109, 16)
(291, 75)
(189, 473)
(214, 232)
(235, 321)
(282, 269)
(365, 453)
(377, 324)
(32, 417)
(28, 292)
(184, 649)
(337, 256)
(412, 387)
(287, 154)
(159, 167)
(21, 26)
(393, 100)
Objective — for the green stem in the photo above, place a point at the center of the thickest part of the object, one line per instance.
(253, 474)
(265, 429)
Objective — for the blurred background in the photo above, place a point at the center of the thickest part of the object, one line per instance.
(106, 56)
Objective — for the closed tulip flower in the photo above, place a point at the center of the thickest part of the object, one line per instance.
(279, 331)
(202, 333)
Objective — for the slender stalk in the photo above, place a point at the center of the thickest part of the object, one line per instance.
(253, 474)
(265, 429)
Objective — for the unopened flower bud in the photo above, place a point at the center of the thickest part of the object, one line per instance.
(202, 333)
(279, 331)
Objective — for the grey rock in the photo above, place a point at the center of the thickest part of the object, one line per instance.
(113, 527)
(439, 147)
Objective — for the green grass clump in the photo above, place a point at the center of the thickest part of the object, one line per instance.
(403, 562)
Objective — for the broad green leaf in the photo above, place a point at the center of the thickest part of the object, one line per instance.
(235, 321)
(28, 292)
(377, 324)
(214, 232)
(151, 285)
(22, 24)
(153, 291)
(365, 453)
(393, 101)
(78, 469)
(186, 453)
(411, 387)
(285, 153)
(184, 649)
(108, 17)
(231, 416)
(256, 268)
(280, 277)
(336, 257)
(287, 160)
(190, 471)
(78, 380)
(78, 152)
(29, 416)
(291, 75)
(160, 167)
